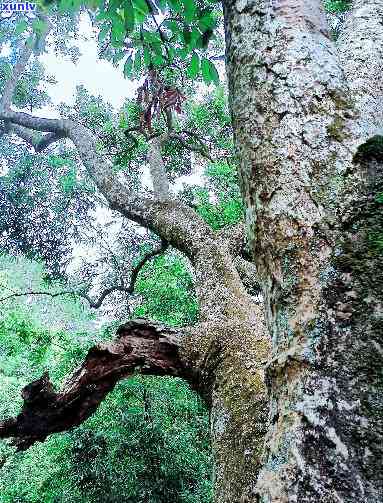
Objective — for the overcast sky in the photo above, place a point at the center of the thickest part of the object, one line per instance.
(98, 76)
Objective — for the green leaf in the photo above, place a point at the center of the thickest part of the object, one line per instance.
(39, 26)
(29, 42)
(105, 29)
(141, 5)
(157, 49)
(172, 25)
(194, 66)
(118, 56)
(213, 73)
(190, 10)
(186, 34)
(21, 27)
(171, 54)
(195, 36)
(205, 70)
(118, 29)
(175, 5)
(158, 60)
(104, 15)
(151, 37)
(128, 66)
(206, 22)
(68, 181)
(147, 56)
(209, 71)
(129, 15)
(66, 6)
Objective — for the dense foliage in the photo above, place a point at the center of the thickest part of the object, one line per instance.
(148, 442)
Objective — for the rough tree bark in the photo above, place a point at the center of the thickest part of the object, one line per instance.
(304, 113)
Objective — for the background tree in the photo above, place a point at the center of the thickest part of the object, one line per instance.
(224, 306)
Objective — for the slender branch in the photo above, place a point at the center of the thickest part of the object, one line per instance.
(151, 348)
(130, 289)
(38, 292)
(96, 304)
(163, 38)
(156, 251)
(218, 57)
(199, 150)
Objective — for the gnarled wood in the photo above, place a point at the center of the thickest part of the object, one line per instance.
(140, 346)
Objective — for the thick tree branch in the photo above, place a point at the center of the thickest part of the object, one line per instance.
(35, 123)
(157, 169)
(143, 346)
(18, 69)
(25, 53)
(39, 144)
(220, 294)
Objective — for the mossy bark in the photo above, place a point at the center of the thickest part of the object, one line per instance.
(310, 212)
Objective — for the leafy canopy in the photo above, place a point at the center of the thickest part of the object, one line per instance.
(148, 34)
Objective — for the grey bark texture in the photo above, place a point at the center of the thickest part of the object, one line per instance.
(310, 178)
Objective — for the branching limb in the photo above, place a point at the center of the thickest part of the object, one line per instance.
(96, 304)
(170, 219)
(130, 289)
(201, 150)
(39, 144)
(143, 346)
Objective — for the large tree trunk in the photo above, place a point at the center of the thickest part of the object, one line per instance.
(312, 215)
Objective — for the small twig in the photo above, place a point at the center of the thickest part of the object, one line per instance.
(202, 150)
(49, 294)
